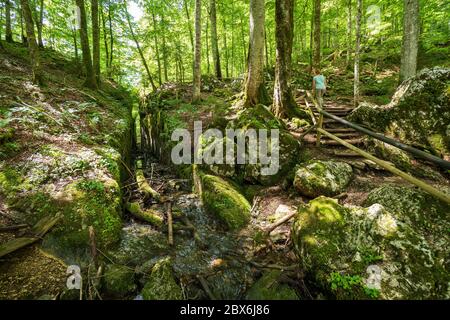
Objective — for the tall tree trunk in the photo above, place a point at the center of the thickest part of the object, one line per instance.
(207, 47)
(411, 33)
(22, 33)
(164, 52)
(349, 31)
(111, 38)
(214, 41)
(155, 39)
(39, 24)
(95, 40)
(254, 89)
(311, 40)
(225, 47)
(188, 18)
(32, 45)
(141, 54)
(105, 37)
(8, 29)
(283, 101)
(198, 51)
(316, 53)
(87, 60)
(357, 49)
(75, 43)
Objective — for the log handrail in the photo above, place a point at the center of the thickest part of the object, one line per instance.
(441, 162)
(424, 186)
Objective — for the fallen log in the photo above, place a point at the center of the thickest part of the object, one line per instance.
(143, 185)
(278, 223)
(169, 223)
(148, 215)
(38, 231)
(14, 228)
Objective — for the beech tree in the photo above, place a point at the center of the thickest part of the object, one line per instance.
(316, 34)
(95, 39)
(84, 38)
(357, 49)
(411, 33)
(8, 29)
(283, 101)
(214, 41)
(197, 51)
(254, 90)
(31, 39)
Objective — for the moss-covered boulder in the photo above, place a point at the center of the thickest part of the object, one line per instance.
(161, 284)
(223, 200)
(118, 280)
(268, 287)
(419, 112)
(361, 253)
(420, 209)
(390, 153)
(316, 177)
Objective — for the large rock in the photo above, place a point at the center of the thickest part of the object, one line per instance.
(316, 177)
(390, 153)
(360, 253)
(161, 284)
(419, 112)
(268, 287)
(255, 118)
(118, 280)
(223, 200)
(419, 209)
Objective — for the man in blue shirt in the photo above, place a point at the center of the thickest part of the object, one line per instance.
(319, 86)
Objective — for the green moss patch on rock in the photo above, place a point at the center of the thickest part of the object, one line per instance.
(118, 280)
(360, 253)
(268, 287)
(419, 112)
(161, 284)
(316, 177)
(223, 200)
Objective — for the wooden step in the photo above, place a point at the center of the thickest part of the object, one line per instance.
(348, 154)
(343, 130)
(335, 143)
(345, 135)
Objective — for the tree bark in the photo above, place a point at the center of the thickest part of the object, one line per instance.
(39, 23)
(349, 31)
(283, 101)
(197, 51)
(8, 29)
(188, 18)
(32, 45)
(164, 52)
(141, 54)
(214, 41)
(111, 38)
(316, 53)
(254, 89)
(84, 38)
(411, 33)
(105, 37)
(155, 39)
(357, 49)
(95, 40)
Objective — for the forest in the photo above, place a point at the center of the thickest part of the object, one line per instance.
(224, 150)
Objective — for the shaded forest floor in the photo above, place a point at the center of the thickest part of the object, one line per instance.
(60, 134)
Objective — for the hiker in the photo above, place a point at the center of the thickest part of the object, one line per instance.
(319, 86)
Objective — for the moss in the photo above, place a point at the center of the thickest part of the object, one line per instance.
(225, 202)
(84, 203)
(161, 284)
(118, 280)
(269, 288)
(317, 177)
(338, 247)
